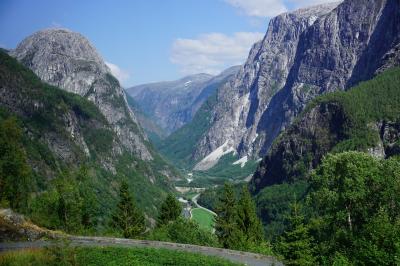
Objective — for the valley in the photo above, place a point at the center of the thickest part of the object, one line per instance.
(282, 152)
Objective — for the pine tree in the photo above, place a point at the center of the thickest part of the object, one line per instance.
(15, 173)
(247, 220)
(171, 209)
(127, 217)
(69, 207)
(295, 243)
(226, 227)
(90, 205)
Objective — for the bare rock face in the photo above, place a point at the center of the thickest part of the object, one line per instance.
(337, 52)
(14, 227)
(304, 54)
(67, 60)
(243, 100)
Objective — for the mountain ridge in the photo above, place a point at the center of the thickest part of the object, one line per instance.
(302, 56)
(172, 104)
(68, 60)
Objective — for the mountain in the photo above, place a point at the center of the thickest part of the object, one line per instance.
(172, 104)
(304, 54)
(85, 122)
(365, 118)
(153, 131)
(67, 60)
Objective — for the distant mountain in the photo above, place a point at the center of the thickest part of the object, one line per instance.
(87, 122)
(173, 104)
(153, 131)
(304, 54)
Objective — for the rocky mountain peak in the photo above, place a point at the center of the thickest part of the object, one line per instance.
(58, 56)
(69, 61)
(315, 11)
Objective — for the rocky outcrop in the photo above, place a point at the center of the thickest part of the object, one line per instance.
(67, 60)
(365, 118)
(304, 54)
(302, 147)
(15, 227)
(173, 104)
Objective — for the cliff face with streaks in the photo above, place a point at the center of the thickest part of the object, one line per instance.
(364, 118)
(304, 54)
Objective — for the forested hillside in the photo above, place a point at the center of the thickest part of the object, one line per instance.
(58, 149)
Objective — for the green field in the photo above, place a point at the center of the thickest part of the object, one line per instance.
(204, 218)
(108, 256)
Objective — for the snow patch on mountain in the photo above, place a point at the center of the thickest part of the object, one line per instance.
(212, 159)
(242, 161)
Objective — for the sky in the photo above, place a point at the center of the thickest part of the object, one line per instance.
(146, 41)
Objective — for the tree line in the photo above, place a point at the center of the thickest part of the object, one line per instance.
(351, 214)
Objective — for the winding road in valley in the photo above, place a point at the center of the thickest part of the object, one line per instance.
(194, 199)
(245, 258)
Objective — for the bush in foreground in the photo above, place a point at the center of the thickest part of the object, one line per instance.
(184, 231)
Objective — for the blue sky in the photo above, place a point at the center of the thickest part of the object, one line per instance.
(151, 40)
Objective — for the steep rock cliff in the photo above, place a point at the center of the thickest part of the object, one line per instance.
(67, 60)
(304, 54)
(243, 100)
(365, 118)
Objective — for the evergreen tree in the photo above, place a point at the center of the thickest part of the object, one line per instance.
(226, 227)
(90, 206)
(171, 209)
(69, 204)
(295, 243)
(248, 222)
(15, 173)
(127, 217)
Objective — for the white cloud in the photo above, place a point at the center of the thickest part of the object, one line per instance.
(213, 52)
(271, 8)
(119, 73)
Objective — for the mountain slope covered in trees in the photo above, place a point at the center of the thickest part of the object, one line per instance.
(364, 119)
(68, 145)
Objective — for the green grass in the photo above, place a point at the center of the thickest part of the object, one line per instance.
(109, 256)
(204, 218)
